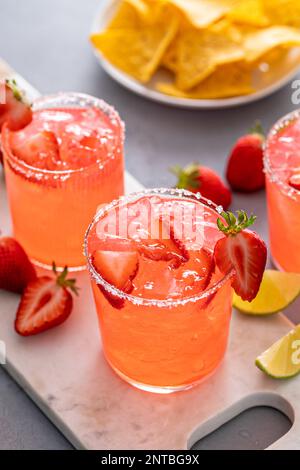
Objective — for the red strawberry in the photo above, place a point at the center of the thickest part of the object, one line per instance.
(117, 268)
(118, 244)
(205, 180)
(165, 248)
(294, 181)
(39, 149)
(245, 165)
(16, 271)
(205, 259)
(243, 251)
(80, 151)
(46, 302)
(15, 111)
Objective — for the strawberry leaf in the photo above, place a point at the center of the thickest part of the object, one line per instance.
(62, 281)
(257, 128)
(188, 177)
(235, 224)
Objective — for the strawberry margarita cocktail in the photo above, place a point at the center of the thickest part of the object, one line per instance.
(282, 167)
(58, 169)
(164, 307)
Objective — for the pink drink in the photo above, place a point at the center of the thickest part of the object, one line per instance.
(58, 169)
(170, 331)
(282, 162)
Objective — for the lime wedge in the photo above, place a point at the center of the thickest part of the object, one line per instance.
(277, 291)
(282, 360)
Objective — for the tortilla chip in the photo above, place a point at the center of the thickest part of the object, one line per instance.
(227, 81)
(250, 12)
(283, 12)
(273, 57)
(137, 52)
(126, 17)
(140, 6)
(202, 13)
(132, 14)
(201, 51)
(258, 43)
(170, 57)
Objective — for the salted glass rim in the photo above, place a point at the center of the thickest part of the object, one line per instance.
(77, 98)
(139, 300)
(268, 168)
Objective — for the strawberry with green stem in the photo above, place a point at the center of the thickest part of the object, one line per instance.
(16, 110)
(46, 302)
(241, 250)
(198, 178)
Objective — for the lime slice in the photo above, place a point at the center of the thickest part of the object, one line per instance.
(277, 291)
(282, 360)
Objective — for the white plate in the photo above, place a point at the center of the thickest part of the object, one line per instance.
(266, 82)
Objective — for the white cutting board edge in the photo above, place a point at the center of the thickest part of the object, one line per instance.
(94, 409)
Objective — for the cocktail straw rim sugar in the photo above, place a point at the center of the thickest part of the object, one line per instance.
(268, 169)
(178, 193)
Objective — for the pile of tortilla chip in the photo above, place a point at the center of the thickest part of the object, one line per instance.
(211, 47)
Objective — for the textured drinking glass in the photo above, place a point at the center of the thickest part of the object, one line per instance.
(51, 209)
(282, 159)
(163, 344)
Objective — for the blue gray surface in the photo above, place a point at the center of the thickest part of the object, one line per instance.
(47, 42)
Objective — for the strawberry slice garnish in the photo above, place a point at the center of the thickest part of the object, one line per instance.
(46, 302)
(16, 111)
(167, 248)
(206, 260)
(16, 270)
(241, 250)
(40, 149)
(78, 151)
(294, 181)
(118, 268)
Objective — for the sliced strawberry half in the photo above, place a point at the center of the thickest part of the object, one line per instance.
(118, 268)
(241, 250)
(39, 150)
(167, 248)
(207, 263)
(46, 302)
(79, 152)
(16, 111)
(294, 181)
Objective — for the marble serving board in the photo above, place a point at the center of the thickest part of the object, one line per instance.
(64, 372)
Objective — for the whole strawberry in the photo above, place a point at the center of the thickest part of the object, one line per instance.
(16, 271)
(46, 302)
(245, 165)
(198, 178)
